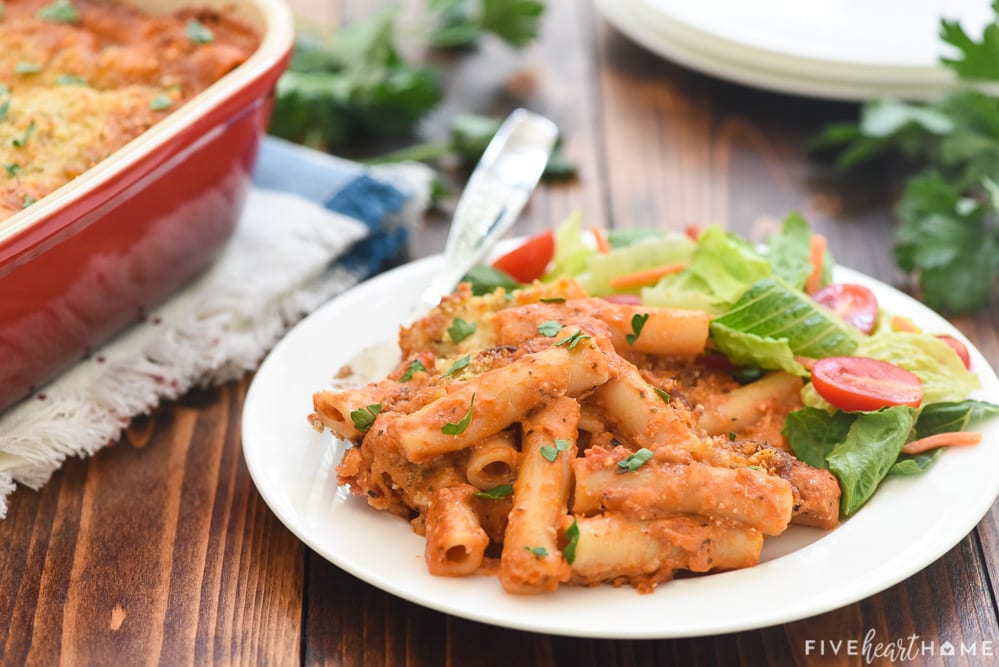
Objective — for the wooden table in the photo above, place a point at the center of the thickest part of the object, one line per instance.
(159, 549)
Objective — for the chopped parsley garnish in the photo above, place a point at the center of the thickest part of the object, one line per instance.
(460, 329)
(552, 299)
(161, 102)
(496, 493)
(198, 33)
(661, 394)
(4, 107)
(551, 453)
(28, 201)
(540, 552)
(60, 11)
(24, 67)
(572, 533)
(12, 169)
(364, 417)
(458, 365)
(456, 428)
(633, 462)
(70, 80)
(415, 366)
(732, 435)
(550, 328)
(572, 340)
(20, 141)
(637, 322)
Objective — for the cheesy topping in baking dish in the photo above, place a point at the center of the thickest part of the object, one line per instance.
(81, 78)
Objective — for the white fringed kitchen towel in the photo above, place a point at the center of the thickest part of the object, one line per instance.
(314, 226)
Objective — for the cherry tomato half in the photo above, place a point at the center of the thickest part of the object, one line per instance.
(854, 303)
(959, 347)
(860, 383)
(528, 261)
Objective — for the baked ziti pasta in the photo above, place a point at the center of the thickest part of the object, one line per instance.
(545, 437)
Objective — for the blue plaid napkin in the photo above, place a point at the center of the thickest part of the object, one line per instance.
(380, 197)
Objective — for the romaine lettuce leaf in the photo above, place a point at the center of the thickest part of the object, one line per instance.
(941, 418)
(752, 350)
(642, 254)
(948, 417)
(722, 268)
(571, 248)
(632, 251)
(786, 323)
(869, 451)
(790, 253)
(915, 464)
(812, 434)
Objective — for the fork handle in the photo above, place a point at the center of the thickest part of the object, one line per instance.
(494, 197)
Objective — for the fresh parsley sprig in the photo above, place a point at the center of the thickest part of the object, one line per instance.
(198, 32)
(361, 86)
(460, 329)
(572, 534)
(60, 11)
(550, 328)
(634, 461)
(468, 136)
(364, 417)
(460, 23)
(496, 493)
(458, 365)
(638, 321)
(948, 232)
(550, 453)
(457, 428)
(415, 366)
(572, 340)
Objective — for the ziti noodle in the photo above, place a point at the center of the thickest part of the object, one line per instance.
(552, 438)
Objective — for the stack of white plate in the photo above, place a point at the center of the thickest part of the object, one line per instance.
(841, 49)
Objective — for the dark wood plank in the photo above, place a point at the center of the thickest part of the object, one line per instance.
(156, 549)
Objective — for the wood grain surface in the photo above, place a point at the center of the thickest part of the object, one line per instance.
(159, 550)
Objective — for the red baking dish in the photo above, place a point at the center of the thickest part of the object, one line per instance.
(100, 251)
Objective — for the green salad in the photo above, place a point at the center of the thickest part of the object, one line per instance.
(881, 397)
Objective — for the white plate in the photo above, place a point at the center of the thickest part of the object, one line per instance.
(831, 48)
(910, 522)
(895, 34)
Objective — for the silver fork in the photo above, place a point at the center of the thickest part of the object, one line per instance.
(492, 200)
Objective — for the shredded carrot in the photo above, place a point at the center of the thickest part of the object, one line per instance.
(693, 232)
(602, 245)
(816, 255)
(807, 362)
(899, 323)
(646, 277)
(951, 439)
